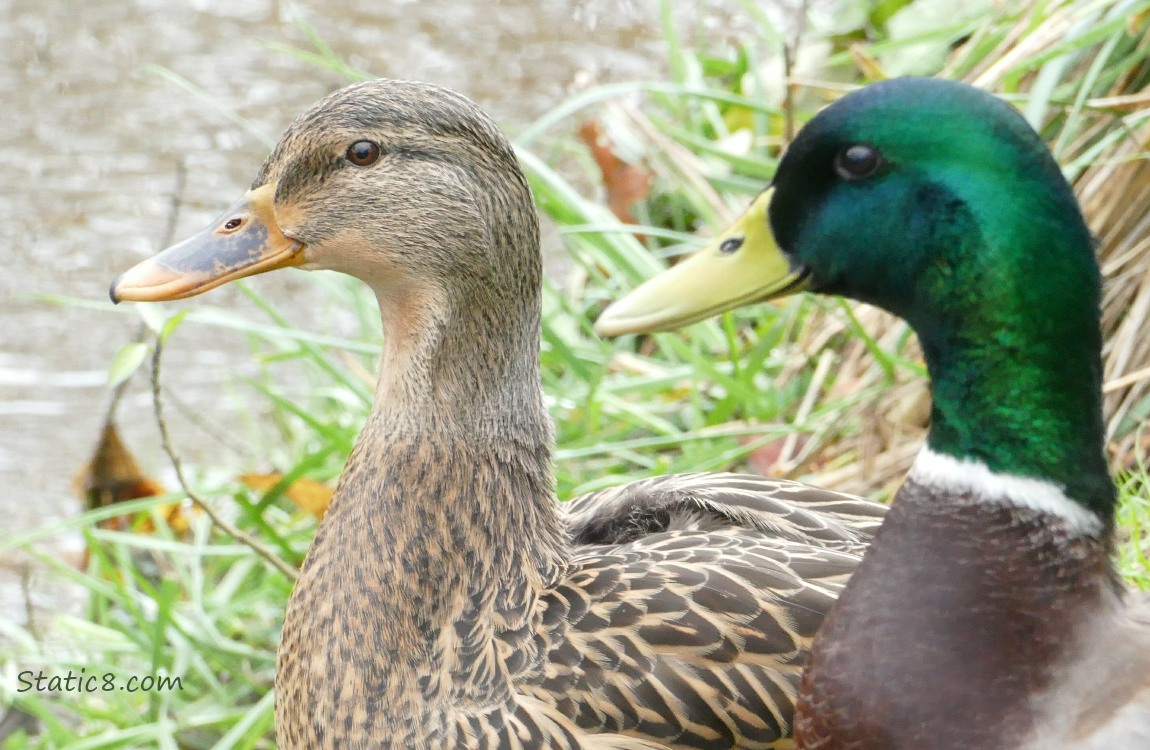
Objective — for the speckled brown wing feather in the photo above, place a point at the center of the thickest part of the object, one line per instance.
(689, 613)
(696, 639)
(683, 620)
(710, 501)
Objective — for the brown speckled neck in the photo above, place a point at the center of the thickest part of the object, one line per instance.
(955, 619)
(441, 535)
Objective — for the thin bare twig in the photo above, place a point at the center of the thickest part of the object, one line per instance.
(121, 387)
(176, 203)
(788, 98)
(29, 606)
(166, 441)
(169, 231)
(790, 54)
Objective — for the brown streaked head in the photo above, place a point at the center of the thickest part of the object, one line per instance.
(405, 185)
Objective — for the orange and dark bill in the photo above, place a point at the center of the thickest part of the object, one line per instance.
(740, 266)
(244, 241)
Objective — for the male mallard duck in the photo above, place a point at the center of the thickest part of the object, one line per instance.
(448, 601)
(986, 614)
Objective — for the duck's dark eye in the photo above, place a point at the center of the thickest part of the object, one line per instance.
(363, 153)
(858, 162)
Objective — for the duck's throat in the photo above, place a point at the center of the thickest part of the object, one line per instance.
(422, 580)
(1018, 392)
(432, 528)
(426, 571)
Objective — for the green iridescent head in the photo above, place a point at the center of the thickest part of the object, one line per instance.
(938, 202)
(928, 198)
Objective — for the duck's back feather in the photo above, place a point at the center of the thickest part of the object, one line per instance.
(683, 619)
(688, 608)
(708, 501)
(695, 637)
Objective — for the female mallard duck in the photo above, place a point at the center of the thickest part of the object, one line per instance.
(986, 614)
(448, 601)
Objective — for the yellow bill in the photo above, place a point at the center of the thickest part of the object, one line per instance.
(244, 241)
(740, 266)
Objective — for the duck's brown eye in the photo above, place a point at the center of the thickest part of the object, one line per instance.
(363, 153)
(858, 162)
